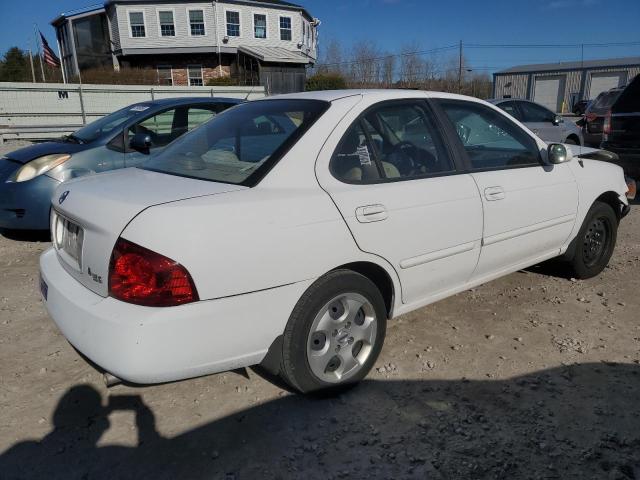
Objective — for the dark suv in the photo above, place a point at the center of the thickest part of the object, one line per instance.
(622, 129)
(593, 120)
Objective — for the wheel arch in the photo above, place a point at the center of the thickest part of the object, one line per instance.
(575, 138)
(380, 278)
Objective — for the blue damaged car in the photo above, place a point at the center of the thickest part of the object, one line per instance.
(125, 138)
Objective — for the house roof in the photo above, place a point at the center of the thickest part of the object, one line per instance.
(578, 65)
(275, 54)
(79, 12)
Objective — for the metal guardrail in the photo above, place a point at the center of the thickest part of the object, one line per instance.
(40, 111)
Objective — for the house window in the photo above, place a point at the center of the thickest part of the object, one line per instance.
(136, 21)
(304, 32)
(260, 25)
(165, 75)
(167, 27)
(285, 28)
(233, 24)
(196, 22)
(195, 76)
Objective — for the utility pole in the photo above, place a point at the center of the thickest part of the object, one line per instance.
(460, 69)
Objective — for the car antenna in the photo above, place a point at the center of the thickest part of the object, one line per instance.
(250, 92)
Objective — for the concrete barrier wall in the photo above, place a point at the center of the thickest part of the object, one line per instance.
(37, 111)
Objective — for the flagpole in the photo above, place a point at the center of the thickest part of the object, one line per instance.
(35, 33)
(64, 77)
(33, 72)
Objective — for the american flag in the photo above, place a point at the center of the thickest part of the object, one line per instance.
(50, 58)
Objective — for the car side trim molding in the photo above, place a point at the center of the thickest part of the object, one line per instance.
(501, 237)
(437, 255)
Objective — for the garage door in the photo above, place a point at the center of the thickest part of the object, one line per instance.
(549, 92)
(601, 82)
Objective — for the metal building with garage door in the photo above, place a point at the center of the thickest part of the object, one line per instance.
(558, 86)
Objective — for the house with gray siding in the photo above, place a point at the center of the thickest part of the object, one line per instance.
(558, 86)
(259, 42)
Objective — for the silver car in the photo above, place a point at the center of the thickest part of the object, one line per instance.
(550, 127)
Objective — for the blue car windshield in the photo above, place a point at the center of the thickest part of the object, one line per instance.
(109, 124)
(240, 145)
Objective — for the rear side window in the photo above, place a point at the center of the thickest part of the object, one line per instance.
(240, 145)
(605, 100)
(397, 141)
(491, 140)
(511, 109)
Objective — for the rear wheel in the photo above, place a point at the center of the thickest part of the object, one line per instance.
(595, 241)
(334, 334)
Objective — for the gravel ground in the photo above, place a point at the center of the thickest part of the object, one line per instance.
(532, 376)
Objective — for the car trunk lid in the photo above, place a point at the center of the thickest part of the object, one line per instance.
(90, 213)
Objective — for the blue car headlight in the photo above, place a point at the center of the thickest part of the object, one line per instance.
(38, 167)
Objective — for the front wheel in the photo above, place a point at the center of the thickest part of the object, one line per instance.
(334, 334)
(595, 241)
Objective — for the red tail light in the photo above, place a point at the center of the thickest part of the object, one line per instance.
(138, 275)
(606, 128)
(591, 117)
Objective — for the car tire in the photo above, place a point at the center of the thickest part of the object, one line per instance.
(595, 242)
(334, 335)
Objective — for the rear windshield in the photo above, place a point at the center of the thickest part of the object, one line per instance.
(109, 124)
(605, 100)
(240, 145)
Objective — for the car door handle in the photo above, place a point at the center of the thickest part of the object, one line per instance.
(494, 193)
(371, 213)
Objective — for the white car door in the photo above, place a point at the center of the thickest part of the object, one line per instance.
(529, 206)
(395, 182)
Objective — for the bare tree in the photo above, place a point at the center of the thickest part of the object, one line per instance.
(365, 64)
(388, 70)
(332, 57)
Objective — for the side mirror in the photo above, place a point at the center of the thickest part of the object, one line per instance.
(557, 120)
(558, 153)
(141, 142)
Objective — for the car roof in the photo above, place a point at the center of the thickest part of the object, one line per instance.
(382, 94)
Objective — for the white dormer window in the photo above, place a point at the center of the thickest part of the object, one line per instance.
(196, 23)
(167, 27)
(136, 23)
(260, 25)
(285, 29)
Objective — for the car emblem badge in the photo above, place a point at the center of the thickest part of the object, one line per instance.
(63, 197)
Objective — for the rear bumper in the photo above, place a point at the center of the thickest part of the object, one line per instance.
(146, 345)
(26, 205)
(629, 159)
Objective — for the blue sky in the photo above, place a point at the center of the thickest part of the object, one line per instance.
(431, 23)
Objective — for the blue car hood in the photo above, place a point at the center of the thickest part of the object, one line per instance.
(26, 154)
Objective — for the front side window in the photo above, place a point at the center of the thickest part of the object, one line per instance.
(285, 28)
(233, 24)
(240, 145)
(162, 127)
(260, 26)
(136, 21)
(167, 27)
(491, 140)
(535, 113)
(196, 23)
(165, 75)
(393, 142)
(195, 76)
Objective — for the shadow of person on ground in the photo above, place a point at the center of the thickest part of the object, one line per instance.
(574, 422)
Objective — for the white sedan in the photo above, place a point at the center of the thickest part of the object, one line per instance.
(286, 232)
